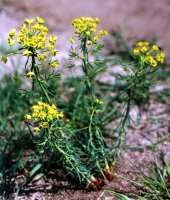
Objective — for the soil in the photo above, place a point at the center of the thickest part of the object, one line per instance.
(135, 19)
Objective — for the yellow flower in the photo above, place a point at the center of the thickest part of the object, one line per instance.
(41, 57)
(43, 115)
(12, 32)
(36, 130)
(154, 63)
(40, 103)
(151, 61)
(54, 52)
(96, 39)
(30, 74)
(50, 47)
(52, 39)
(97, 20)
(87, 27)
(149, 58)
(45, 112)
(136, 51)
(29, 21)
(27, 117)
(155, 48)
(103, 32)
(38, 27)
(54, 64)
(61, 115)
(150, 54)
(72, 40)
(33, 35)
(45, 125)
(24, 29)
(27, 53)
(40, 20)
(144, 49)
(90, 43)
(40, 45)
(10, 41)
(88, 33)
(162, 54)
(141, 44)
(160, 57)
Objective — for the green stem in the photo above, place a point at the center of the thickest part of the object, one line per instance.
(130, 91)
(90, 127)
(86, 70)
(124, 124)
(107, 169)
(88, 87)
(90, 93)
(38, 78)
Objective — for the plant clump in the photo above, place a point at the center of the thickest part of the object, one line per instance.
(75, 131)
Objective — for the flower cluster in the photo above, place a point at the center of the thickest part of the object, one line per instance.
(11, 37)
(44, 113)
(150, 54)
(33, 38)
(86, 27)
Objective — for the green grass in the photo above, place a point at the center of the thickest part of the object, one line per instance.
(156, 185)
(13, 141)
